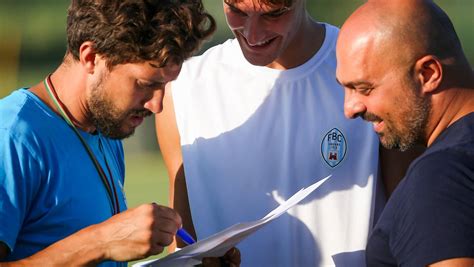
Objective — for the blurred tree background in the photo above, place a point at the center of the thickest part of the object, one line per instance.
(32, 44)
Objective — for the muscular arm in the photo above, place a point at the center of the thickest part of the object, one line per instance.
(394, 165)
(169, 141)
(134, 234)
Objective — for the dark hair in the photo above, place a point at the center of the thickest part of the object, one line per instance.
(132, 31)
(285, 3)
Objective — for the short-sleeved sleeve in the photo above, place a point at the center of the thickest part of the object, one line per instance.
(19, 181)
(435, 221)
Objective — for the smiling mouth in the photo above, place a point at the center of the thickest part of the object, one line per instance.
(259, 44)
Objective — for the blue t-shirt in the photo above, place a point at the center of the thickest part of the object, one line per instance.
(49, 187)
(430, 215)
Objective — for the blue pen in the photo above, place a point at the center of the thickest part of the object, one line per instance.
(185, 236)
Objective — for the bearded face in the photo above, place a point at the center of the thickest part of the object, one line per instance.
(107, 117)
(404, 127)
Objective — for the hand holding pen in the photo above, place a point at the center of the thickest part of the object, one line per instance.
(231, 258)
(186, 237)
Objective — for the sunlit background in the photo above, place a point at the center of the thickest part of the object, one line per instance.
(32, 44)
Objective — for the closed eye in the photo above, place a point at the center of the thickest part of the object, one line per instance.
(361, 87)
(277, 13)
(364, 90)
(151, 85)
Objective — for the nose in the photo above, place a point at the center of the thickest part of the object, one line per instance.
(155, 104)
(252, 30)
(353, 105)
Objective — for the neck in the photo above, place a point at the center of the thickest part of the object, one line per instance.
(306, 43)
(456, 103)
(67, 85)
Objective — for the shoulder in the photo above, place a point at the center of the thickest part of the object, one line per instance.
(20, 151)
(28, 126)
(218, 54)
(218, 64)
(432, 207)
(437, 179)
(331, 35)
(11, 108)
(331, 30)
(324, 61)
(24, 117)
(442, 167)
(17, 112)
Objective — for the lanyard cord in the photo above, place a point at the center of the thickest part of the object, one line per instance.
(101, 147)
(112, 196)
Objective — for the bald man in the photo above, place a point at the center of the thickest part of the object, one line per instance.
(403, 69)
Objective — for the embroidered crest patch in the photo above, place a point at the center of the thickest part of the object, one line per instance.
(333, 147)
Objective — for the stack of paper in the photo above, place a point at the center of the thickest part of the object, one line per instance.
(218, 244)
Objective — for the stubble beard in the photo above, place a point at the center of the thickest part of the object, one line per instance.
(106, 117)
(412, 125)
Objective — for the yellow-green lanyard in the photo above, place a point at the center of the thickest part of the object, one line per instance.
(110, 189)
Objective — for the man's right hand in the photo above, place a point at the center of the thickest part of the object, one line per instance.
(138, 233)
(131, 235)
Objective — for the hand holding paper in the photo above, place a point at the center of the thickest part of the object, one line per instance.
(218, 244)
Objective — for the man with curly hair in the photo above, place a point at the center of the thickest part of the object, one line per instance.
(62, 165)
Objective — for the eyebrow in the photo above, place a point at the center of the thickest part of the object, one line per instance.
(354, 83)
(282, 9)
(151, 82)
(231, 5)
(154, 65)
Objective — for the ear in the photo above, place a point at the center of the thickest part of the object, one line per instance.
(429, 71)
(88, 57)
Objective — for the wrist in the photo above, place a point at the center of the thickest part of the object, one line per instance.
(97, 245)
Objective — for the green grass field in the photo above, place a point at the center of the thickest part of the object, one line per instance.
(146, 180)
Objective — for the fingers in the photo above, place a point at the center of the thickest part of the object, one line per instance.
(165, 226)
(156, 249)
(166, 223)
(140, 232)
(166, 214)
(211, 262)
(231, 258)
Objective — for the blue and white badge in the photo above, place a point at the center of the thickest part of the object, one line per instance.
(333, 147)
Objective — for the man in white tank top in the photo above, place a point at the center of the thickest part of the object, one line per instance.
(255, 119)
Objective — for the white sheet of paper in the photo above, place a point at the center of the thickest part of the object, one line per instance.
(218, 244)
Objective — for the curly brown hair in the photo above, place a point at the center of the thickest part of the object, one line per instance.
(132, 31)
(285, 3)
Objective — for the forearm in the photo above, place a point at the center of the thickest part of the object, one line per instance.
(170, 146)
(130, 235)
(84, 248)
(181, 205)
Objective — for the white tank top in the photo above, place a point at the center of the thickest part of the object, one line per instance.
(252, 136)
